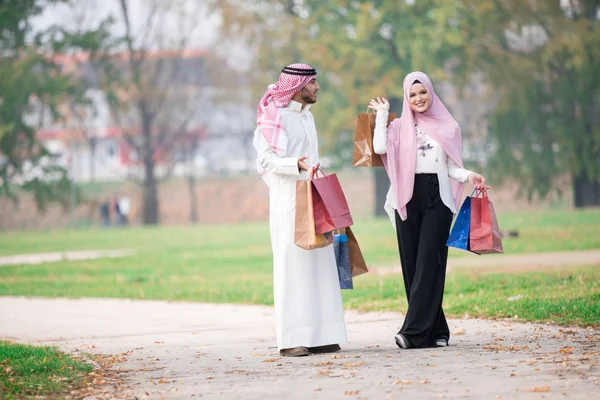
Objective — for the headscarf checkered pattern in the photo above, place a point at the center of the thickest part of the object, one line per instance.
(292, 79)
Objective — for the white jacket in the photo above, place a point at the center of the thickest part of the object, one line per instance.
(444, 167)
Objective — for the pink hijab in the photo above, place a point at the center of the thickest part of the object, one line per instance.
(401, 158)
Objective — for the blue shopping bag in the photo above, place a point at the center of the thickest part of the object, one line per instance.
(342, 260)
(459, 235)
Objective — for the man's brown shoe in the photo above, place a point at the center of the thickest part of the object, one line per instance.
(330, 348)
(294, 352)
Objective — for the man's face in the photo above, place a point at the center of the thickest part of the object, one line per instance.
(309, 92)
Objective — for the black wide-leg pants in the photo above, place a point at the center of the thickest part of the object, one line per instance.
(423, 253)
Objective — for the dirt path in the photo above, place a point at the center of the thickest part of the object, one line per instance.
(189, 350)
(514, 262)
(40, 258)
(487, 263)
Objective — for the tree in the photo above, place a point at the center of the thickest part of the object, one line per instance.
(32, 88)
(541, 59)
(156, 97)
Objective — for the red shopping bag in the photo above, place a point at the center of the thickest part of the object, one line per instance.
(484, 232)
(330, 207)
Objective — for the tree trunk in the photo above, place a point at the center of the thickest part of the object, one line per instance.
(193, 199)
(382, 182)
(93, 159)
(586, 192)
(150, 213)
(150, 207)
(191, 179)
(289, 9)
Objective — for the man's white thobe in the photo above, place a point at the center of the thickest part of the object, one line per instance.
(308, 300)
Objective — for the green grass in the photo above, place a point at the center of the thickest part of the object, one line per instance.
(30, 371)
(232, 264)
(539, 232)
(565, 297)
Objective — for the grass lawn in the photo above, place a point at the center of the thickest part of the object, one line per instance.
(233, 264)
(30, 371)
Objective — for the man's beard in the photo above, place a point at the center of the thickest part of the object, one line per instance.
(308, 99)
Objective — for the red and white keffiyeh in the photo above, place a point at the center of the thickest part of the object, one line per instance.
(292, 79)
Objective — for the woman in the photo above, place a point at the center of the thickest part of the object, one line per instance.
(421, 152)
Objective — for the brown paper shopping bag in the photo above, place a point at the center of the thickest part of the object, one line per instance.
(357, 261)
(304, 231)
(363, 155)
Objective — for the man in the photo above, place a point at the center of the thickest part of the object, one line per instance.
(124, 209)
(308, 300)
(105, 212)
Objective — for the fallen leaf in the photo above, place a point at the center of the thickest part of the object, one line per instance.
(513, 374)
(567, 332)
(158, 342)
(322, 364)
(566, 350)
(269, 360)
(517, 348)
(459, 332)
(324, 372)
(400, 381)
(424, 382)
(358, 364)
(537, 389)
(162, 381)
(351, 392)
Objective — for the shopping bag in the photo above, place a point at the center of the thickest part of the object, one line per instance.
(342, 260)
(363, 155)
(484, 232)
(304, 229)
(357, 261)
(459, 235)
(331, 209)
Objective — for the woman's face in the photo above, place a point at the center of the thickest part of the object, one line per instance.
(418, 98)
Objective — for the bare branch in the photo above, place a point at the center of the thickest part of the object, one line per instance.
(133, 59)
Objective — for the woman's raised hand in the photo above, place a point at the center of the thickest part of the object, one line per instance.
(477, 181)
(380, 103)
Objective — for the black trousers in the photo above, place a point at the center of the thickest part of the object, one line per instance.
(423, 254)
